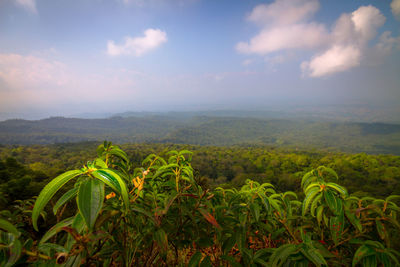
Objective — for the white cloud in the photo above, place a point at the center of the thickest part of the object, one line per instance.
(395, 5)
(367, 20)
(286, 26)
(336, 59)
(350, 38)
(29, 5)
(137, 46)
(296, 36)
(284, 12)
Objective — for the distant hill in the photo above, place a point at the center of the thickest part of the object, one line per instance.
(204, 130)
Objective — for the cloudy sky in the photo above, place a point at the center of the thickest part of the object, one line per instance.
(69, 57)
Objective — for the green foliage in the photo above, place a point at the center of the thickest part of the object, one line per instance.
(159, 214)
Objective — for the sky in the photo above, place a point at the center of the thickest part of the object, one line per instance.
(68, 57)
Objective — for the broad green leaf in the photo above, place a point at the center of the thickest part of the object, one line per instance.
(281, 254)
(255, 211)
(315, 203)
(361, 252)
(309, 198)
(90, 200)
(14, 252)
(336, 227)
(311, 186)
(109, 180)
(161, 238)
(370, 261)
(48, 192)
(354, 220)
(56, 228)
(314, 256)
(330, 200)
(338, 188)
(195, 259)
(64, 199)
(46, 247)
(228, 244)
(119, 153)
(78, 224)
(111, 174)
(307, 178)
(380, 227)
(100, 163)
(8, 227)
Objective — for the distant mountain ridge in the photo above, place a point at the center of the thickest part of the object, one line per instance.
(205, 130)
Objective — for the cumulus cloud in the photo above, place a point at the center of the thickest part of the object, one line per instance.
(137, 46)
(296, 36)
(395, 5)
(350, 38)
(336, 59)
(29, 5)
(286, 25)
(283, 12)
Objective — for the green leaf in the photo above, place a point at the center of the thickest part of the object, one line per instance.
(314, 256)
(315, 203)
(281, 254)
(195, 259)
(56, 228)
(309, 197)
(354, 220)
(228, 244)
(15, 253)
(307, 178)
(380, 228)
(78, 224)
(161, 238)
(320, 210)
(311, 187)
(361, 252)
(48, 192)
(5, 225)
(336, 227)
(330, 200)
(90, 200)
(338, 188)
(46, 247)
(119, 153)
(112, 175)
(64, 199)
(100, 163)
(109, 180)
(255, 211)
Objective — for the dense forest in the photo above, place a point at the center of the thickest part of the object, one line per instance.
(351, 137)
(196, 205)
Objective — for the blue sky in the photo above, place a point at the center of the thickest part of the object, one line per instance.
(70, 57)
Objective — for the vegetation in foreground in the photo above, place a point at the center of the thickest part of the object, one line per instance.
(159, 215)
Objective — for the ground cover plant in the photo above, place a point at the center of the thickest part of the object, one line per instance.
(158, 214)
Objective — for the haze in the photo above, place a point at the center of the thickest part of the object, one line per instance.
(95, 56)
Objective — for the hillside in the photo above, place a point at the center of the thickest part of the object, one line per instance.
(351, 137)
